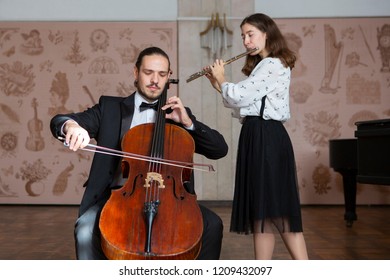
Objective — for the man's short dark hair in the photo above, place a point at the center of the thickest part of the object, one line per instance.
(151, 51)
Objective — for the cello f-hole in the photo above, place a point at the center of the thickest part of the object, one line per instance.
(136, 178)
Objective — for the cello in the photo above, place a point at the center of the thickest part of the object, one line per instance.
(152, 216)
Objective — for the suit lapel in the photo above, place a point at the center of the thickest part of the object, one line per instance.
(127, 112)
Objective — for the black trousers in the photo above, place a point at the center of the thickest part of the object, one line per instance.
(87, 235)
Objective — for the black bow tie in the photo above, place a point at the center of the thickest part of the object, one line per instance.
(145, 106)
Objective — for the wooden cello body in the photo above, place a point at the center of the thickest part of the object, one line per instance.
(153, 216)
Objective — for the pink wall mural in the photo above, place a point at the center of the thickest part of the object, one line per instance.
(48, 68)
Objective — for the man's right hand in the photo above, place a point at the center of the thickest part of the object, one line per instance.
(76, 137)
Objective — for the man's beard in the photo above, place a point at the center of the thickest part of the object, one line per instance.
(143, 94)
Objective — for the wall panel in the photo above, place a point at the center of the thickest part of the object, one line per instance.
(48, 68)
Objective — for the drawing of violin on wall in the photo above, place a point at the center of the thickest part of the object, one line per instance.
(35, 141)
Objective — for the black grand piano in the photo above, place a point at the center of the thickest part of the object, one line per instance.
(364, 159)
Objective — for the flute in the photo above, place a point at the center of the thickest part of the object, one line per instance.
(205, 71)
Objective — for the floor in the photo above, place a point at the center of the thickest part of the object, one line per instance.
(46, 233)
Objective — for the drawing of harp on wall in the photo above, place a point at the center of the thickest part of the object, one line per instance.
(333, 52)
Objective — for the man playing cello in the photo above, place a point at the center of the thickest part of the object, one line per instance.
(107, 122)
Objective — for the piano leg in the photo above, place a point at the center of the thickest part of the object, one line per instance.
(349, 182)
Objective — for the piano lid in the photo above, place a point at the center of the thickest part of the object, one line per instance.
(373, 127)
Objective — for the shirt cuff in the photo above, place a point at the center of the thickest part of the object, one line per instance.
(191, 127)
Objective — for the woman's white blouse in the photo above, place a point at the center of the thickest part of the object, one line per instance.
(269, 78)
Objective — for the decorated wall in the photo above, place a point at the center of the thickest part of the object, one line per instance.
(342, 76)
(47, 68)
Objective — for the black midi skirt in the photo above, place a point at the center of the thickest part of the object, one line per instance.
(266, 189)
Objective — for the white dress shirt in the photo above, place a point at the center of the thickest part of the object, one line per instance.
(146, 116)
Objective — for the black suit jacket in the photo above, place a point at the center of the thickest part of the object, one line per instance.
(107, 122)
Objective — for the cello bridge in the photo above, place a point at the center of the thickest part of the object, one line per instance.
(154, 176)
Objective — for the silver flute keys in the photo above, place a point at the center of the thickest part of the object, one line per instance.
(205, 71)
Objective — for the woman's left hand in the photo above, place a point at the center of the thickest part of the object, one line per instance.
(217, 70)
(216, 74)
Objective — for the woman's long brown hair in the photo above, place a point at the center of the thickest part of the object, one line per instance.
(276, 44)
